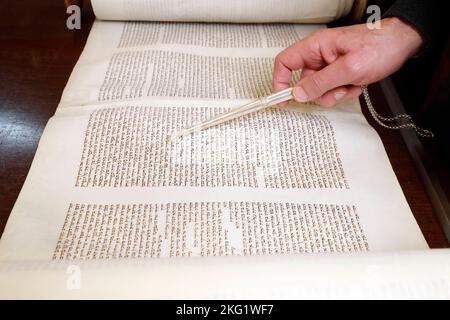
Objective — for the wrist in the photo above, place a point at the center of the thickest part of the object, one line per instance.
(407, 34)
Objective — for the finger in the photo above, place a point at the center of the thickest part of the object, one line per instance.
(286, 62)
(306, 72)
(282, 77)
(291, 59)
(353, 92)
(335, 75)
(333, 97)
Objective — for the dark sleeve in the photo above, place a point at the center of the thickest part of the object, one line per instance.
(424, 15)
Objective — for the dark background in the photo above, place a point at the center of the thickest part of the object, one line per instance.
(37, 56)
(423, 85)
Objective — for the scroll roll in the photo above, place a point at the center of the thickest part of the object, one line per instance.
(392, 275)
(235, 11)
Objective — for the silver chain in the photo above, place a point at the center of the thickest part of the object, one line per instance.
(403, 121)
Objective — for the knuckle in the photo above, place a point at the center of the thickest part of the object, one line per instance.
(278, 59)
(348, 64)
(353, 66)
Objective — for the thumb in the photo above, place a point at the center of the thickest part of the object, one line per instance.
(339, 73)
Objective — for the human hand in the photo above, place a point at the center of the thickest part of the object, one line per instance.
(337, 62)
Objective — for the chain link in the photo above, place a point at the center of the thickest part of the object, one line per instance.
(403, 121)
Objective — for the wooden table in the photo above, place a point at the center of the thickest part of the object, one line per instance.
(36, 58)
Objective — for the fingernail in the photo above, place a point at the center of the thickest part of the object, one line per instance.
(338, 96)
(300, 95)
